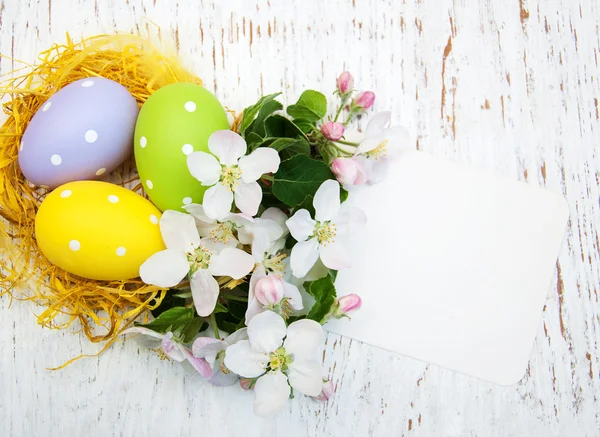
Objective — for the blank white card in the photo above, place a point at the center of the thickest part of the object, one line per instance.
(453, 266)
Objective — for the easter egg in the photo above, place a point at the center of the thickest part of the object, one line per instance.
(175, 121)
(82, 132)
(98, 230)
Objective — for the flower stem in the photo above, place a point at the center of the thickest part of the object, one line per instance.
(348, 150)
(339, 111)
(267, 178)
(348, 143)
(213, 321)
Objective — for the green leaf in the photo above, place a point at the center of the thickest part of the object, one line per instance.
(253, 140)
(170, 320)
(333, 274)
(298, 177)
(172, 299)
(324, 293)
(311, 106)
(343, 195)
(220, 309)
(304, 125)
(268, 108)
(288, 147)
(251, 112)
(278, 126)
(192, 328)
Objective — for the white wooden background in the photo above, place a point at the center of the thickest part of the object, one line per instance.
(506, 85)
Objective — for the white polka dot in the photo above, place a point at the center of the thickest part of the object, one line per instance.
(46, 106)
(149, 184)
(66, 193)
(187, 200)
(187, 149)
(101, 171)
(87, 83)
(113, 199)
(153, 219)
(74, 245)
(91, 136)
(56, 159)
(143, 142)
(121, 251)
(190, 106)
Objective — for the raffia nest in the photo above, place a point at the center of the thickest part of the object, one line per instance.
(103, 309)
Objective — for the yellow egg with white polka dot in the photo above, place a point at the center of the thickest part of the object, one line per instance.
(98, 230)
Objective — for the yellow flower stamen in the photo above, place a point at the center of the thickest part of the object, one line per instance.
(275, 263)
(199, 258)
(223, 232)
(230, 177)
(325, 232)
(378, 152)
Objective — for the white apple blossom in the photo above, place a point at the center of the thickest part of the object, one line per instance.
(201, 259)
(231, 175)
(279, 357)
(222, 230)
(168, 346)
(381, 144)
(319, 238)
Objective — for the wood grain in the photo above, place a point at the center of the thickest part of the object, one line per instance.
(509, 86)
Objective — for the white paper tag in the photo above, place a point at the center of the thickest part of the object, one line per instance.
(453, 267)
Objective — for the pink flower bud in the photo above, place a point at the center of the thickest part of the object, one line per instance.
(269, 290)
(333, 131)
(348, 171)
(345, 83)
(246, 383)
(326, 392)
(347, 305)
(364, 99)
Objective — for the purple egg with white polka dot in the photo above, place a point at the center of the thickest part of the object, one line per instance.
(82, 132)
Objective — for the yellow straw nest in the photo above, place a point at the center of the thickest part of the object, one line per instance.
(102, 308)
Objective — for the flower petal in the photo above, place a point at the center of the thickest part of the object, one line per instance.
(271, 394)
(165, 269)
(293, 294)
(144, 331)
(217, 201)
(171, 349)
(263, 160)
(303, 257)
(200, 364)
(239, 335)
(260, 243)
(243, 361)
(327, 201)
(368, 144)
(335, 256)
(380, 121)
(204, 167)
(205, 291)
(306, 376)
(207, 347)
(278, 216)
(179, 231)
(303, 339)
(266, 331)
(227, 146)
(197, 211)
(248, 197)
(231, 262)
(301, 225)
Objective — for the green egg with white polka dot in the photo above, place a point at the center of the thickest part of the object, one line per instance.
(175, 121)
